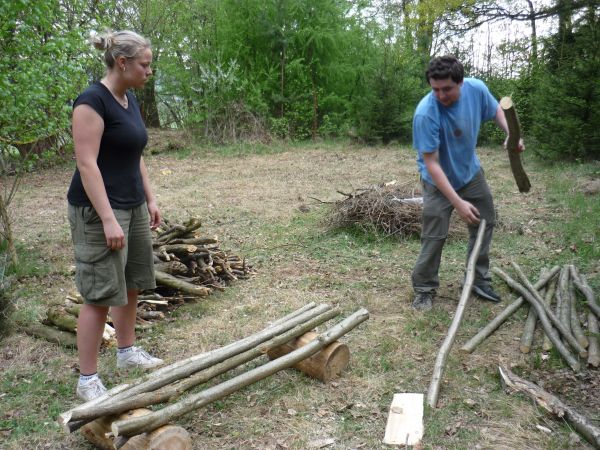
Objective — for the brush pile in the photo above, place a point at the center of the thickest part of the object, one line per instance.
(392, 209)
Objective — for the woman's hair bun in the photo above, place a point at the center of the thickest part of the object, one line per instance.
(102, 41)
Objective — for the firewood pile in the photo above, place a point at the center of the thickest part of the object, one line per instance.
(171, 384)
(564, 304)
(391, 208)
(187, 266)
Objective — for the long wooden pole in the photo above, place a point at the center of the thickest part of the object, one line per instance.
(174, 390)
(554, 337)
(539, 301)
(505, 314)
(156, 419)
(440, 362)
(186, 367)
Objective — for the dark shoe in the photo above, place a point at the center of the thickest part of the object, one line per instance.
(423, 301)
(486, 293)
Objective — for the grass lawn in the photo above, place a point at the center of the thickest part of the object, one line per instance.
(270, 204)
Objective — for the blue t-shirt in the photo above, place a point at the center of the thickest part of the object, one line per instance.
(453, 131)
(121, 147)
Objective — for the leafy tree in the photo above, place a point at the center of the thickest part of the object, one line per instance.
(41, 71)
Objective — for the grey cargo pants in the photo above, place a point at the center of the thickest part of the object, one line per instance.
(436, 222)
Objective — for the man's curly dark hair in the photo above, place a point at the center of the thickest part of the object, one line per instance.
(442, 67)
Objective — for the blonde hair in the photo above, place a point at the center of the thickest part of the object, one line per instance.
(119, 43)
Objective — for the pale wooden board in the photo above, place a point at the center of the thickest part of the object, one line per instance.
(405, 420)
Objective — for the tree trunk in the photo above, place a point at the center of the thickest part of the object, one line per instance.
(147, 100)
(440, 362)
(6, 231)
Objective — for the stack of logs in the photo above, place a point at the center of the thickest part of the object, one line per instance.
(119, 419)
(187, 266)
(553, 302)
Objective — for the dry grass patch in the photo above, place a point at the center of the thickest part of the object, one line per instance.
(260, 207)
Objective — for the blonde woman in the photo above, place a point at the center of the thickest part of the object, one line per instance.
(112, 207)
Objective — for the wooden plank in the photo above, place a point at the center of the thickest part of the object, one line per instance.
(405, 421)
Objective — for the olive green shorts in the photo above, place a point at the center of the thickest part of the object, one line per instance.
(103, 276)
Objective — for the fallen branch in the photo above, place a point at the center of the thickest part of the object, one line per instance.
(539, 302)
(51, 334)
(552, 404)
(505, 314)
(564, 351)
(574, 316)
(581, 283)
(440, 362)
(547, 343)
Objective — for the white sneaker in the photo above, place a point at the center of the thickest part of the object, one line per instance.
(136, 357)
(90, 390)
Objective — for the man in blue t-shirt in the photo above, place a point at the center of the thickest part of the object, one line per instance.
(445, 129)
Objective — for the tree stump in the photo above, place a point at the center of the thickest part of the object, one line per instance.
(166, 437)
(323, 365)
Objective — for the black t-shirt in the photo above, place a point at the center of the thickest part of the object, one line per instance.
(121, 146)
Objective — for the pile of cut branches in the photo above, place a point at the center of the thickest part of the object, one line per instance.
(392, 209)
(554, 303)
(190, 264)
(187, 266)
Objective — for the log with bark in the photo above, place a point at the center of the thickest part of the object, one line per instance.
(512, 144)
(324, 365)
(542, 314)
(76, 417)
(541, 305)
(165, 437)
(440, 362)
(150, 422)
(552, 404)
(506, 313)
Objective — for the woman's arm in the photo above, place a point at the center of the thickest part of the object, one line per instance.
(153, 210)
(88, 127)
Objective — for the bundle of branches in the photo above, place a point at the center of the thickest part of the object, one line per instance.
(190, 264)
(390, 208)
(553, 302)
(169, 383)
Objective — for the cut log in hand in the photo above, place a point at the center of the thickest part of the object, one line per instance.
(512, 144)
(440, 362)
(551, 404)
